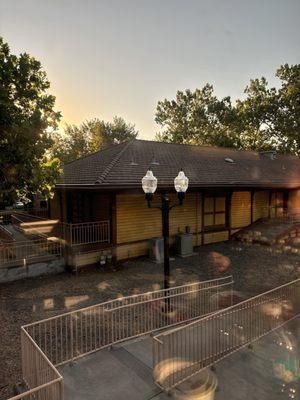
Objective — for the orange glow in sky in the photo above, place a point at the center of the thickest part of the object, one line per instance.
(120, 57)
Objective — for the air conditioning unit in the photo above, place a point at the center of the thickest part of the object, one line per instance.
(156, 249)
(184, 244)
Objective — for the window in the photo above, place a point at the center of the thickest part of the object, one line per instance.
(214, 211)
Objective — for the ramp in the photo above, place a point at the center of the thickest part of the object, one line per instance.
(181, 353)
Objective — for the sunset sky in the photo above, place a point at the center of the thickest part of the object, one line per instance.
(107, 58)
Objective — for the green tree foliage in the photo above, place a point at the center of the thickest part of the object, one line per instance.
(266, 118)
(91, 136)
(27, 118)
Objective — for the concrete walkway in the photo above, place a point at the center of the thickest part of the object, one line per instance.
(122, 373)
(17, 235)
(269, 371)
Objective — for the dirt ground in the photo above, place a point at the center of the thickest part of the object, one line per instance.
(254, 268)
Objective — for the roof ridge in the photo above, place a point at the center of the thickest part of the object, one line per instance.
(215, 147)
(113, 162)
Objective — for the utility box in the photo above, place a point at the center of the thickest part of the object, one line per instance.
(184, 244)
(156, 249)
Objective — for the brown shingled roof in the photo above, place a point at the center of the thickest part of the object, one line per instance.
(124, 165)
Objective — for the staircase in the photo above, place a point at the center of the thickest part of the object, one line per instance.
(284, 236)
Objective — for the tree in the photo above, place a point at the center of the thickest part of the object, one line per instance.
(198, 118)
(91, 136)
(286, 125)
(27, 118)
(267, 118)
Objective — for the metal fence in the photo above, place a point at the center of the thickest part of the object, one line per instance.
(74, 334)
(77, 333)
(280, 214)
(181, 353)
(27, 251)
(86, 232)
(5, 216)
(58, 340)
(42, 379)
(18, 219)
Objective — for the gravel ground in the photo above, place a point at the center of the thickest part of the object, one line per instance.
(255, 269)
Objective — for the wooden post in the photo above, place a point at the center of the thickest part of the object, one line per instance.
(113, 224)
(202, 217)
(252, 208)
(228, 212)
(270, 203)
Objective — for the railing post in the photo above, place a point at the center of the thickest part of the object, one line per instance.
(61, 390)
(71, 338)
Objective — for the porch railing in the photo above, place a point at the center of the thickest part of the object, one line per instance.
(86, 232)
(58, 340)
(27, 251)
(181, 353)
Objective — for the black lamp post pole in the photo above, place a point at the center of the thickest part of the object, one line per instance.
(165, 210)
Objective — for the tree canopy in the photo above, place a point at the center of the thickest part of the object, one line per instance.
(91, 136)
(266, 118)
(27, 118)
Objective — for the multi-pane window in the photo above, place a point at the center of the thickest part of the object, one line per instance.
(214, 211)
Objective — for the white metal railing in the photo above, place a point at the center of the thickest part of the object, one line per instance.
(86, 232)
(42, 379)
(34, 226)
(182, 352)
(38, 212)
(23, 252)
(21, 217)
(58, 340)
(77, 333)
(281, 214)
(5, 215)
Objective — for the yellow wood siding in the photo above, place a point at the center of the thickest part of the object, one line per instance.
(132, 250)
(215, 237)
(90, 258)
(240, 209)
(260, 204)
(136, 222)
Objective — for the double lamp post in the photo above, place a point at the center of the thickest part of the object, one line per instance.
(149, 185)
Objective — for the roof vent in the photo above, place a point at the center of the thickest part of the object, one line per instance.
(154, 162)
(132, 162)
(271, 154)
(229, 160)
